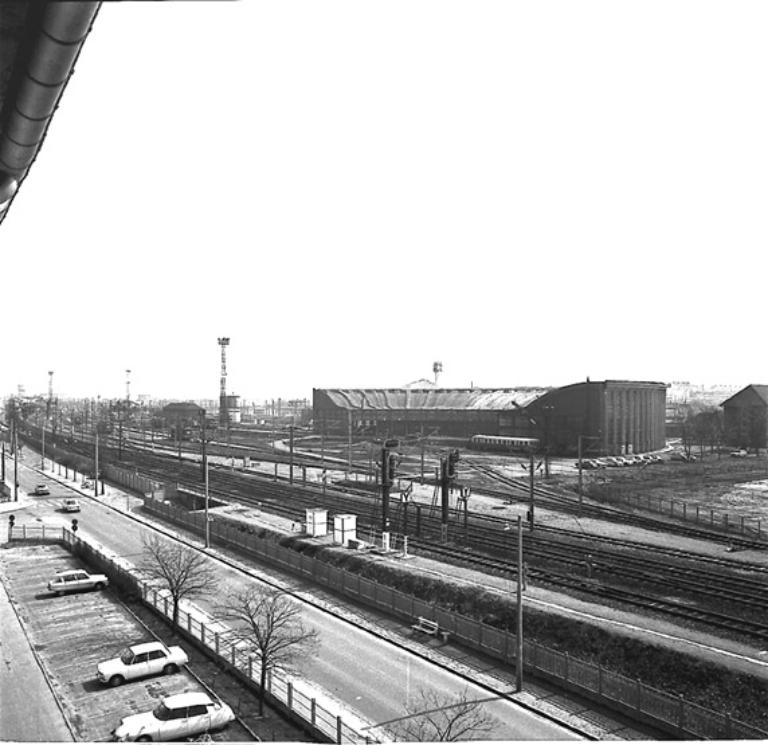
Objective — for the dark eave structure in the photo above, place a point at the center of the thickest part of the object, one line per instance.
(40, 41)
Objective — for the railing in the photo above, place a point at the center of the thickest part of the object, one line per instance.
(637, 699)
(303, 702)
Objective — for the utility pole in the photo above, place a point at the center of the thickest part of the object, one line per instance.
(203, 448)
(519, 634)
(15, 460)
(207, 523)
(530, 509)
(96, 455)
(42, 449)
(290, 453)
(349, 444)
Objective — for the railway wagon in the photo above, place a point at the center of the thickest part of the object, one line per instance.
(497, 443)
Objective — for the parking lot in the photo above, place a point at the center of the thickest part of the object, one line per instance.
(73, 632)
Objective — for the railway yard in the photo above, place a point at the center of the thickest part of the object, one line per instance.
(656, 572)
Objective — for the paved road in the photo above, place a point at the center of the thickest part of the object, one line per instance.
(372, 677)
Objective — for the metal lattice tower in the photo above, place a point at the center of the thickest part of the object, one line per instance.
(223, 410)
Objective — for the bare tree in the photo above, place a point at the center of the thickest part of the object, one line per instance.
(271, 627)
(183, 572)
(436, 717)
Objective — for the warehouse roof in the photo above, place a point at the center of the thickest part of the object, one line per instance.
(760, 390)
(490, 399)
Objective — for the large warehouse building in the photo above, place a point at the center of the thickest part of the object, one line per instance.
(612, 417)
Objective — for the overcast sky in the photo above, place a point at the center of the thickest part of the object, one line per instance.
(529, 192)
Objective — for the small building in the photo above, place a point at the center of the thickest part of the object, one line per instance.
(745, 417)
(181, 418)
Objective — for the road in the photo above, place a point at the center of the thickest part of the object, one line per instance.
(373, 677)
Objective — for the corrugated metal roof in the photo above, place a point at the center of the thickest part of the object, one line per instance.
(433, 398)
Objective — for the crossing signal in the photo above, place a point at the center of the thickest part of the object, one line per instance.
(74, 525)
(11, 520)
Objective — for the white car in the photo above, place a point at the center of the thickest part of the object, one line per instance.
(140, 660)
(76, 580)
(70, 505)
(176, 717)
(40, 490)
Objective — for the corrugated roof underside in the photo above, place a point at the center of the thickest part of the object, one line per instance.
(13, 16)
(434, 398)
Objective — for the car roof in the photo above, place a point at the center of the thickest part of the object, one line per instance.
(191, 698)
(146, 647)
(68, 571)
(70, 499)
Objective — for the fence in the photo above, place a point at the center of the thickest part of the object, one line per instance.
(294, 696)
(695, 513)
(640, 701)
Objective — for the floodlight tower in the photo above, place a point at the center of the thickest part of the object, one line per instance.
(223, 410)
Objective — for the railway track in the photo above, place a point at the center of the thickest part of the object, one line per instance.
(565, 502)
(625, 572)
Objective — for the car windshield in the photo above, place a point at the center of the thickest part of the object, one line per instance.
(163, 713)
(126, 656)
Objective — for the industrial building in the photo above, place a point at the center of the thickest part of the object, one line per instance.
(611, 417)
(745, 417)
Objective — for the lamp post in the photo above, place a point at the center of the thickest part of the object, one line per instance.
(207, 523)
(96, 448)
(519, 634)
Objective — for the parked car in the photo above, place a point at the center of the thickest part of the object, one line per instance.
(612, 461)
(140, 660)
(70, 505)
(76, 580)
(176, 717)
(587, 463)
(40, 490)
(741, 453)
(683, 457)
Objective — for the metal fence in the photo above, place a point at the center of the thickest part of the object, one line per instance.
(695, 513)
(668, 712)
(296, 696)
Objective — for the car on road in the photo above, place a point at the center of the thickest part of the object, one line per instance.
(70, 505)
(40, 490)
(741, 453)
(141, 660)
(174, 718)
(76, 580)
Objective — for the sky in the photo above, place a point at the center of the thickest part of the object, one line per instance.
(531, 193)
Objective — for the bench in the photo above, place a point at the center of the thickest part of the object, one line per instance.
(426, 626)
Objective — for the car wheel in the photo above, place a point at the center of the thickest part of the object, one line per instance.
(144, 738)
(99, 586)
(116, 680)
(170, 669)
